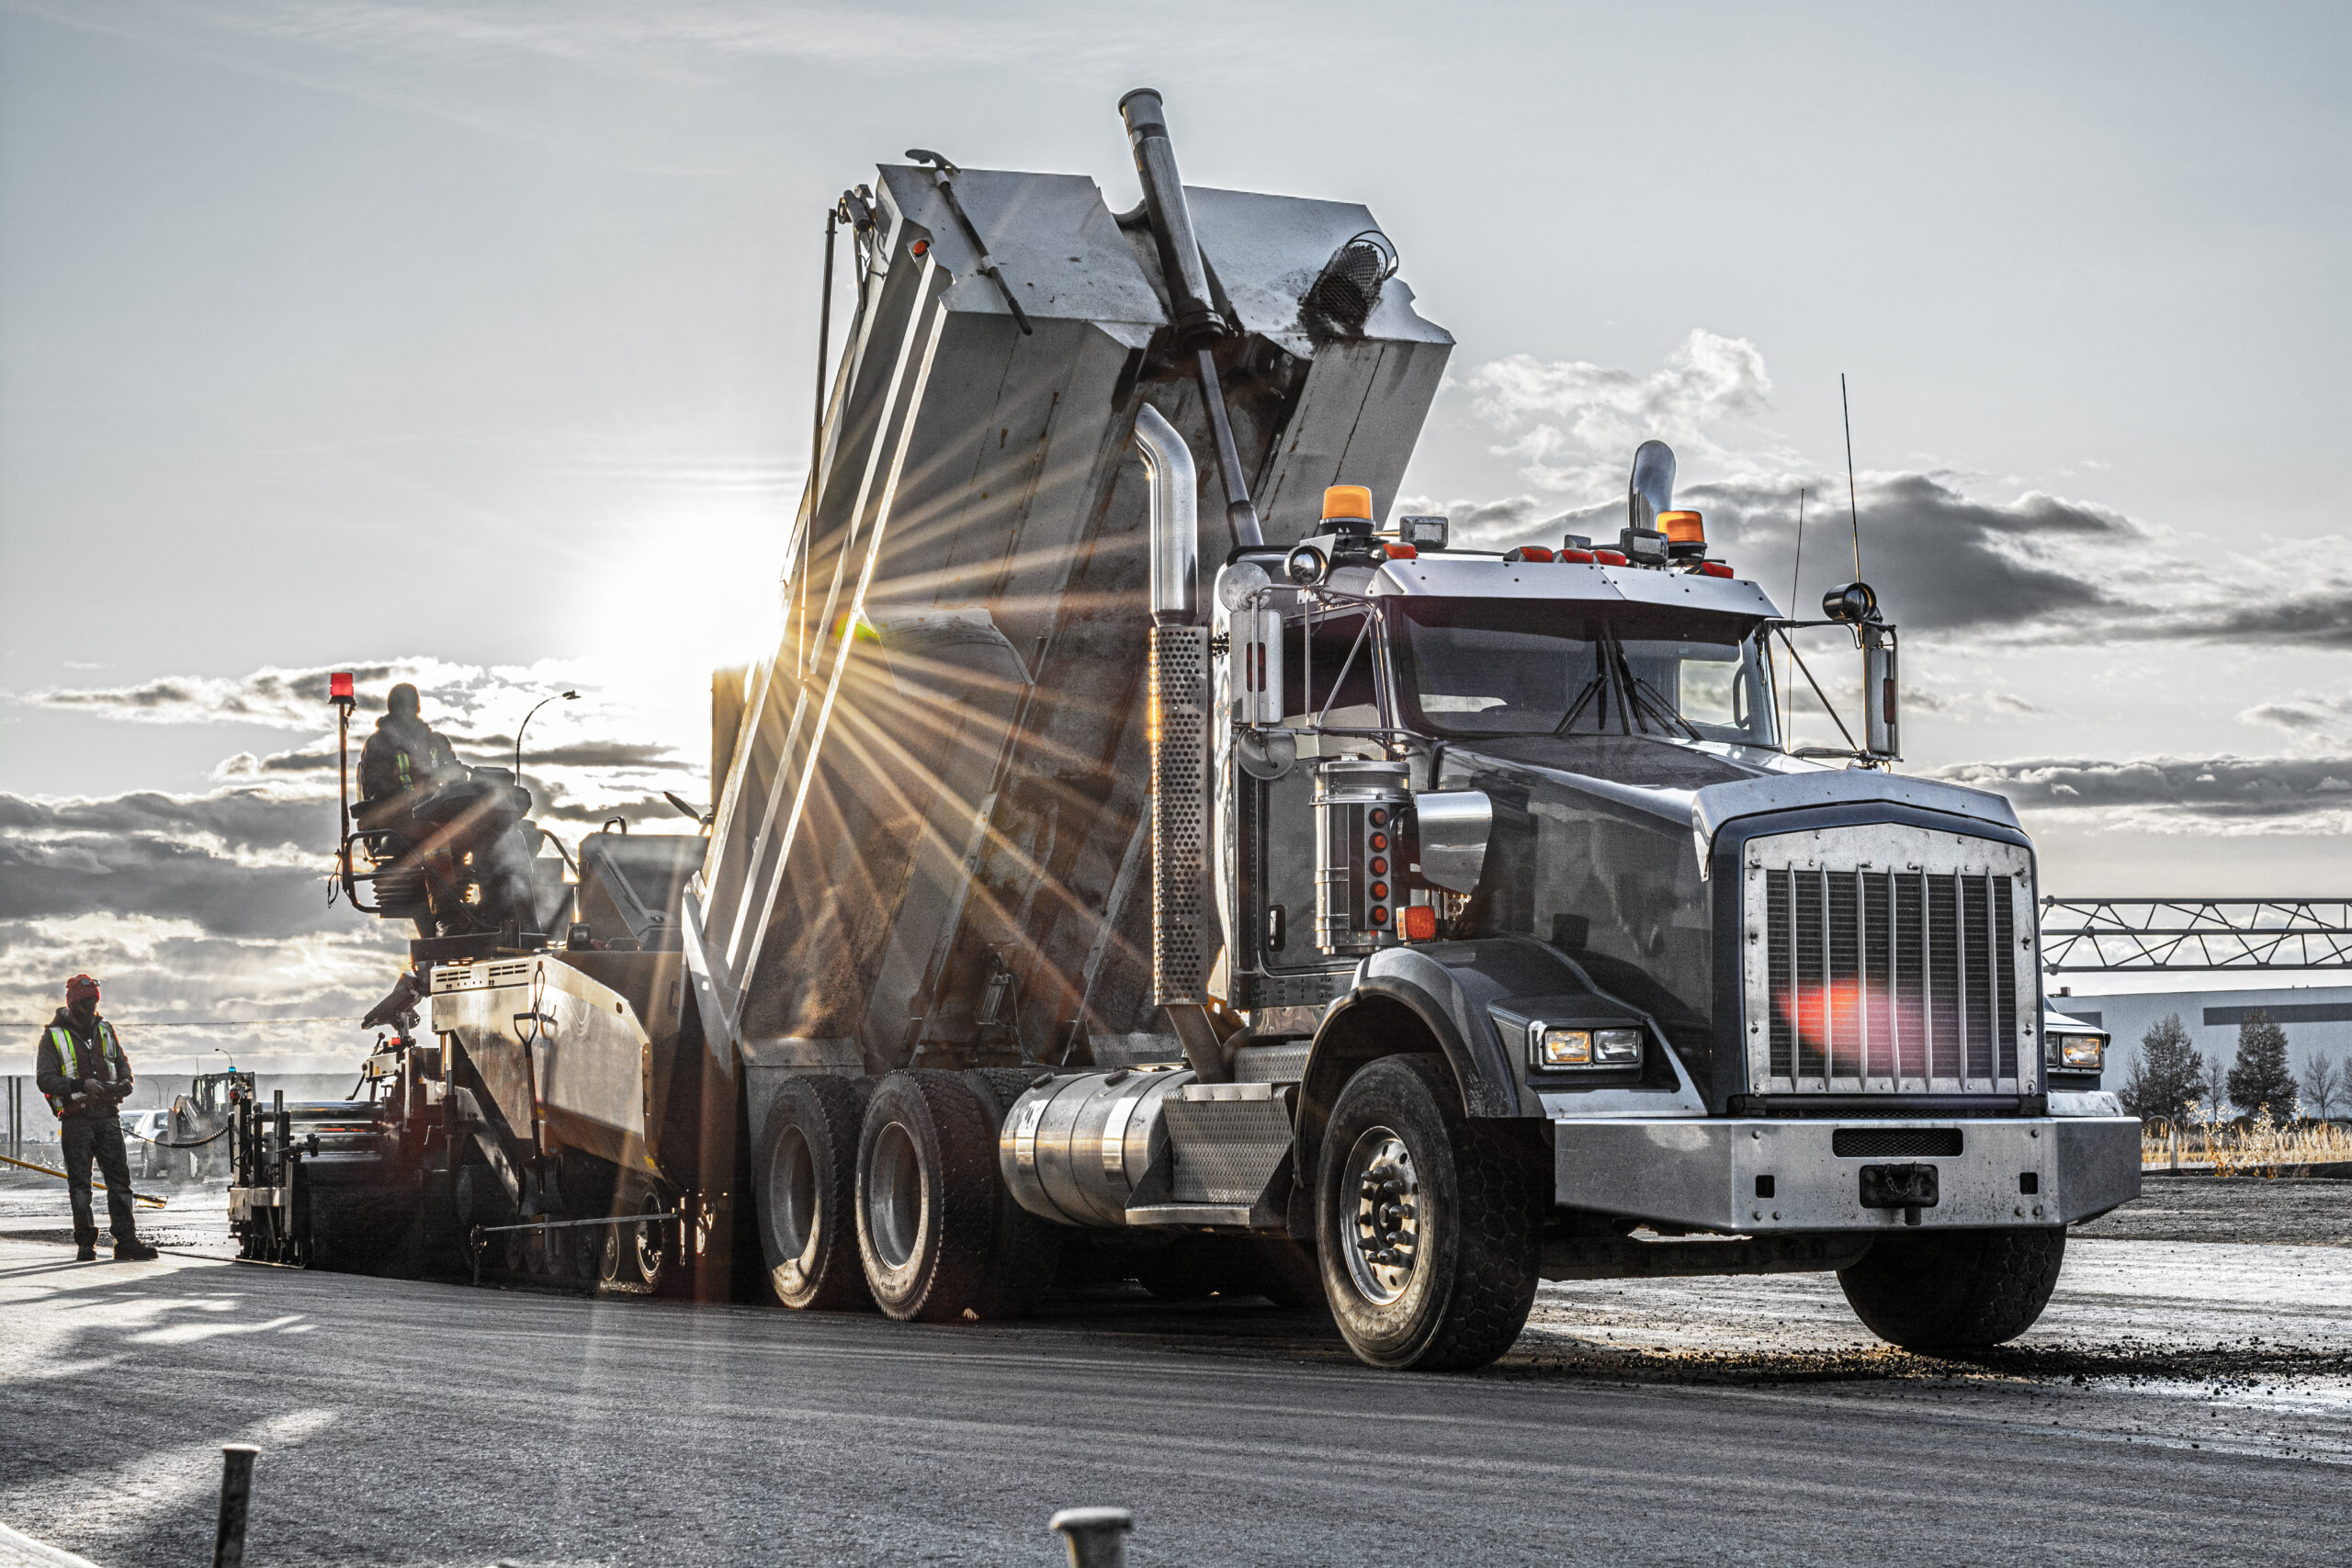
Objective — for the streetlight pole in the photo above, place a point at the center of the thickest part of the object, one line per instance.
(566, 696)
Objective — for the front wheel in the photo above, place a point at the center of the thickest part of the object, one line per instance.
(1429, 1226)
(1955, 1290)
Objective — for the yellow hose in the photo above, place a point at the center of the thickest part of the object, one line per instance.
(52, 1170)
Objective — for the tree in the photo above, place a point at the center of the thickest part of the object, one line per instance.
(2260, 1076)
(2213, 1092)
(2167, 1075)
(2323, 1085)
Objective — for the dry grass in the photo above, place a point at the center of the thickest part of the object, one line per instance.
(2261, 1147)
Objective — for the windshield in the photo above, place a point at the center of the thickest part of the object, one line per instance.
(1482, 667)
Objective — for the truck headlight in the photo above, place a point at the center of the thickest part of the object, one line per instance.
(1617, 1048)
(2077, 1053)
(1558, 1046)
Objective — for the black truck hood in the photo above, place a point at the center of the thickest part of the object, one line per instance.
(1708, 788)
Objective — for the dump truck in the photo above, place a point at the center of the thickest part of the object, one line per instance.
(1143, 854)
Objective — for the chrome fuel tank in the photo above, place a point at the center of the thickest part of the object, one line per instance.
(1073, 1149)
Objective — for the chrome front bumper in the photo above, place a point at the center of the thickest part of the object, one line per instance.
(1715, 1174)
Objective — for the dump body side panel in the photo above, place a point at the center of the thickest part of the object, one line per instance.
(927, 839)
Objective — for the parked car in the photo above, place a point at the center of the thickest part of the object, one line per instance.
(149, 1161)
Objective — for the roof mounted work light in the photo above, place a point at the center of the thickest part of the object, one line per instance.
(1307, 566)
(1853, 603)
(1423, 533)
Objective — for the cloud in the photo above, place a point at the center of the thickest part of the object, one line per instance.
(159, 969)
(238, 862)
(456, 695)
(2171, 794)
(2302, 715)
(1946, 559)
(1576, 424)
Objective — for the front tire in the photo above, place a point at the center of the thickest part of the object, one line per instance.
(809, 1196)
(1955, 1290)
(1428, 1226)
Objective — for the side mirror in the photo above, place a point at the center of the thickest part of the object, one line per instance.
(1453, 826)
(1881, 729)
(1256, 650)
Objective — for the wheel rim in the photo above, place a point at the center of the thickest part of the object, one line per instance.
(1381, 1231)
(894, 1195)
(792, 1205)
(647, 1238)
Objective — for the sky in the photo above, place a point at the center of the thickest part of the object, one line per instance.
(474, 345)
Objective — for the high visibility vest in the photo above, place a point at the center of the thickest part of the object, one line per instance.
(437, 756)
(69, 1061)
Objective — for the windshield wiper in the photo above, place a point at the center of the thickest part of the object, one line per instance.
(1592, 688)
(1640, 693)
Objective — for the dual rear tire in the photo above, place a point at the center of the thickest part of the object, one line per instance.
(889, 1195)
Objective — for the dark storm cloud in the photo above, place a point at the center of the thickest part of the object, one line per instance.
(2042, 568)
(243, 819)
(1939, 559)
(2301, 713)
(2221, 788)
(235, 863)
(2318, 616)
(604, 754)
(288, 698)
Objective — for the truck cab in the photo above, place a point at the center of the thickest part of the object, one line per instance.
(1512, 869)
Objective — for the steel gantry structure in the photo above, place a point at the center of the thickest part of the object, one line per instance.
(2082, 936)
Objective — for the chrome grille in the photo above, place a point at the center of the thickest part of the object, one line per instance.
(1880, 959)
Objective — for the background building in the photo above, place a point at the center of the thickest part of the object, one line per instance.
(2316, 1019)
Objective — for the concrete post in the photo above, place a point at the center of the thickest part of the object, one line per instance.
(1097, 1537)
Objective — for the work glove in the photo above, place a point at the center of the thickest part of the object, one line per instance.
(94, 1087)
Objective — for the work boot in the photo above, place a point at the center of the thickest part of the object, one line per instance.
(86, 1252)
(133, 1251)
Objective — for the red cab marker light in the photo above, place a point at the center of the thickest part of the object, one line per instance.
(1582, 557)
(1610, 558)
(1403, 552)
(1420, 923)
(1528, 552)
(1714, 569)
(918, 248)
(339, 687)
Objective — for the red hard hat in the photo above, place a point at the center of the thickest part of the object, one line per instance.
(79, 987)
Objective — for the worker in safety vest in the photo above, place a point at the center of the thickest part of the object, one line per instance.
(404, 751)
(86, 1076)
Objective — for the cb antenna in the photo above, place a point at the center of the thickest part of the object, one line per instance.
(1796, 582)
(1852, 510)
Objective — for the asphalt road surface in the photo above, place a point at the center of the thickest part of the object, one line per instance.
(2178, 1401)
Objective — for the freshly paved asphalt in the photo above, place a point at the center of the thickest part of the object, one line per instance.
(1710, 1422)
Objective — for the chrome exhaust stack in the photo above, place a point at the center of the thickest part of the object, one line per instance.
(1182, 903)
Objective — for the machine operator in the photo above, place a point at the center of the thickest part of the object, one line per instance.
(403, 753)
(87, 1077)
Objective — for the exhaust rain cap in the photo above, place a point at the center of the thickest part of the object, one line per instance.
(1342, 296)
